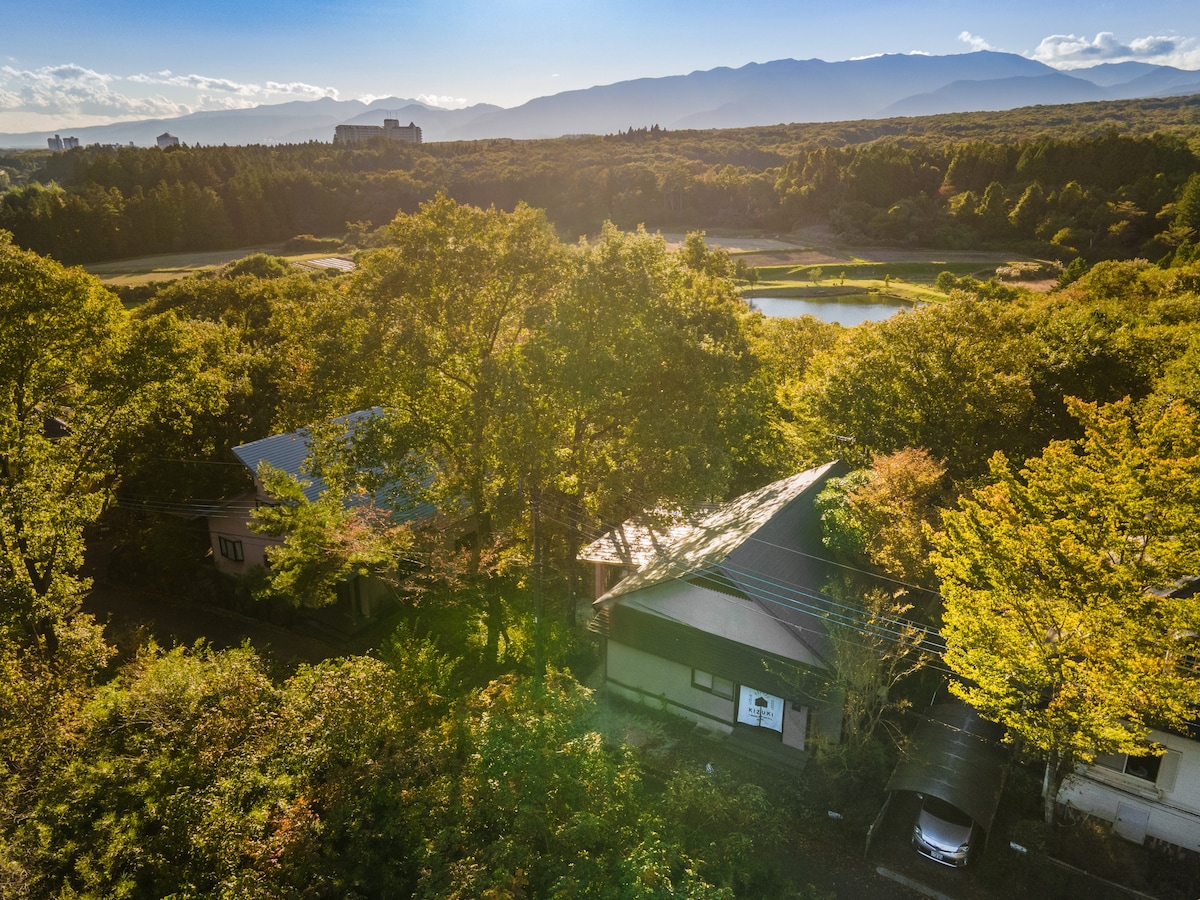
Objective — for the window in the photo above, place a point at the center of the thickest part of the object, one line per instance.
(231, 549)
(713, 684)
(1157, 770)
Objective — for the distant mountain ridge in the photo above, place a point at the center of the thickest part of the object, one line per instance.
(770, 93)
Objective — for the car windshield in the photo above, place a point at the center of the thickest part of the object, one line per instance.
(946, 812)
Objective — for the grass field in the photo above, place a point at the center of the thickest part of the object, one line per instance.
(168, 267)
(860, 274)
(817, 270)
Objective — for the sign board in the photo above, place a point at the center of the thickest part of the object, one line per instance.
(759, 709)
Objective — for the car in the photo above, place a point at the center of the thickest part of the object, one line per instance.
(943, 832)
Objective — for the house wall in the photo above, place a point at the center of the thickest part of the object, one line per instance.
(1169, 808)
(234, 525)
(660, 683)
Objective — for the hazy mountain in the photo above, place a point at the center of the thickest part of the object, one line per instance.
(785, 90)
(283, 123)
(1000, 93)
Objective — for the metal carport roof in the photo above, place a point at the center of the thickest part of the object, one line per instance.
(954, 755)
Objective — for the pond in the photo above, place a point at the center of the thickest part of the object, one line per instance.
(847, 313)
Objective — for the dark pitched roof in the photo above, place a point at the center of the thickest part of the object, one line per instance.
(640, 539)
(764, 545)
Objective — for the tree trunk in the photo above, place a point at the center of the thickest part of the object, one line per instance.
(1056, 771)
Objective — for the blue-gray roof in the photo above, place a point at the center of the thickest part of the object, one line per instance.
(290, 453)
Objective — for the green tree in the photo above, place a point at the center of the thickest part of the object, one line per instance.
(1058, 617)
(338, 536)
(952, 378)
(76, 378)
(452, 299)
(886, 513)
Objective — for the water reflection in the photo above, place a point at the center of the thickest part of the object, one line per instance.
(847, 313)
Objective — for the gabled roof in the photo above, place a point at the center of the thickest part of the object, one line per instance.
(764, 546)
(289, 452)
(719, 535)
(638, 540)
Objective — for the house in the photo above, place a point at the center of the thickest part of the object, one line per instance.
(1145, 797)
(715, 611)
(165, 140)
(1152, 796)
(238, 550)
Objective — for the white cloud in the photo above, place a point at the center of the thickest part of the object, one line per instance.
(72, 90)
(71, 95)
(208, 84)
(974, 41)
(443, 101)
(1069, 51)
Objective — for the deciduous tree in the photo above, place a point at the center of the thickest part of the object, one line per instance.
(1058, 617)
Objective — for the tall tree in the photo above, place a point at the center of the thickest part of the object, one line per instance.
(1059, 618)
(452, 299)
(76, 378)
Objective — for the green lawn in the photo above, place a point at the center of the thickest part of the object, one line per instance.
(169, 266)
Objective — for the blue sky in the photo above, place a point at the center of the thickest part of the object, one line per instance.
(67, 63)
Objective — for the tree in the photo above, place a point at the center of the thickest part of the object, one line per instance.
(326, 541)
(452, 299)
(1059, 619)
(885, 513)
(77, 377)
(952, 378)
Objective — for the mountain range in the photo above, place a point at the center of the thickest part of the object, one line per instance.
(770, 93)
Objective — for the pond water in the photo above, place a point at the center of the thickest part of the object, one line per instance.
(847, 313)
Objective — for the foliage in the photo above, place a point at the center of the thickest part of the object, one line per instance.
(76, 379)
(951, 378)
(326, 541)
(884, 514)
(1096, 179)
(1058, 618)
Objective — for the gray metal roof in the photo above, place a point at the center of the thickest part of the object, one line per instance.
(954, 755)
(639, 539)
(289, 452)
(764, 545)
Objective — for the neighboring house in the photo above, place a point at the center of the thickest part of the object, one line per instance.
(717, 609)
(1156, 797)
(238, 550)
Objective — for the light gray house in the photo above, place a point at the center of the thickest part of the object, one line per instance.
(1155, 797)
(237, 549)
(716, 609)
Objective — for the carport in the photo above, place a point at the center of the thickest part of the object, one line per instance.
(953, 755)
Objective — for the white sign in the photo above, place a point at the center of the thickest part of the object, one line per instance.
(762, 710)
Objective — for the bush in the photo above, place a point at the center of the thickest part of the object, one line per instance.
(307, 243)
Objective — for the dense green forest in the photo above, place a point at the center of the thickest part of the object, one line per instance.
(1004, 443)
(1108, 180)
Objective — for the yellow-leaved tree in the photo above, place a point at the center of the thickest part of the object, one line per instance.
(1059, 616)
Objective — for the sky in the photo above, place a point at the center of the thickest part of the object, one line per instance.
(70, 63)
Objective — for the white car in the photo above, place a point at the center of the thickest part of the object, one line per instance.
(943, 832)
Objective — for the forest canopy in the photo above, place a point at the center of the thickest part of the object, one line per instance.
(1094, 180)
